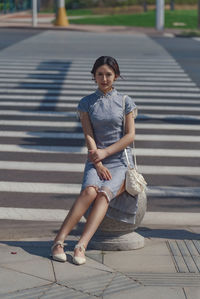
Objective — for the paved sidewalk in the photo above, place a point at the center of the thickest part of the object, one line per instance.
(167, 267)
(45, 22)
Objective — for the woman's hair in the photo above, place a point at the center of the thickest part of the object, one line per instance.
(110, 61)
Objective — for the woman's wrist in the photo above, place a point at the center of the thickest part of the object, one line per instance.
(98, 164)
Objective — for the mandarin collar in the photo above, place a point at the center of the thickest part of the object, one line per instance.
(110, 93)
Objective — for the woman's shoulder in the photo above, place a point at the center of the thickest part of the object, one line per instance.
(86, 101)
(88, 97)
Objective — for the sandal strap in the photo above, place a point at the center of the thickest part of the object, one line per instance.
(80, 246)
(58, 243)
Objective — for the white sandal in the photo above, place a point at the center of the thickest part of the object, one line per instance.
(59, 257)
(79, 260)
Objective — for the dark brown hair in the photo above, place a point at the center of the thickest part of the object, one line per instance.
(110, 61)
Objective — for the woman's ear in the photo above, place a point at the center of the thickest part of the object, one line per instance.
(116, 76)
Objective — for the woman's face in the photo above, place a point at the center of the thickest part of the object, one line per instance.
(104, 77)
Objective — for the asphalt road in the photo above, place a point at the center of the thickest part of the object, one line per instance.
(44, 74)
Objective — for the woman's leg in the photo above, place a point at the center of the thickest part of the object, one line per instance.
(78, 209)
(96, 216)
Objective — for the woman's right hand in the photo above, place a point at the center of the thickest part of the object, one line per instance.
(103, 172)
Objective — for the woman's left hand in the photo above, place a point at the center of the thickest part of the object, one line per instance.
(97, 155)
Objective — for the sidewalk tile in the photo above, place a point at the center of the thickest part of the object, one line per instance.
(92, 277)
(11, 280)
(154, 258)
(40, 267)
(148, 292)
(192, 292)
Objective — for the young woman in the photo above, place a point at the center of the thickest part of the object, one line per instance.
(101, 114)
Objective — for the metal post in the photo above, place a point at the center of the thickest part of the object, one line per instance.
(34, 13)
(160, 12)
(199, 14)
(172, 5)
(61, 17)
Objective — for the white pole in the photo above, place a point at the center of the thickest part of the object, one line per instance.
(160, 14)
(34, 13)
(61, 3)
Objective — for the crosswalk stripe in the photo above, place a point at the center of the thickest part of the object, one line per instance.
(78, 167)
(59, 83)
(27, 187)
(72, 98)
(86, 92)
(74, 69)
(58, 135)
(150, 152)
(54, 78)
(150, 218)
(141, 107)
(70, 124)
(74, 114)
(67, 86)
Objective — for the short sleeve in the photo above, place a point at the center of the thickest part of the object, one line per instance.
(82, 107)
(130, 106)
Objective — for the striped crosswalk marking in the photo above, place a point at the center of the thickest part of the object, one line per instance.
(38, 119)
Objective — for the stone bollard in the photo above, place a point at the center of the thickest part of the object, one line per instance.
(117, 235)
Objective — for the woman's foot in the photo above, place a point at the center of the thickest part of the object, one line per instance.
(79, 254)
(58, 252)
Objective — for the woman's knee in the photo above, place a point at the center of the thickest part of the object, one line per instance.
(89, 192)
(102, 197)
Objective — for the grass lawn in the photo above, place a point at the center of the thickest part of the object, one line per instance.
(187, 17)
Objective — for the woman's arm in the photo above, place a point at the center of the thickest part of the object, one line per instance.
(97, 155)
(102, 171)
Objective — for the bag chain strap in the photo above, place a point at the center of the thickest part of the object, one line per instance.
(125, 151)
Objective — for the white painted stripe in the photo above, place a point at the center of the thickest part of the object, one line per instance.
(69, 124)
(69, 73)
(67, 98)
(86, 70)
(67, 87)
(43, 149)
(177, 138)
(197, 39)
(163, 60)
(167, 191)
(150, 152)
(63, 115)
(58, 135)
(168, 116)
(168, 127)
(78, 167)
(118, 84)
(44, 188)
(42, 101)
(150, 218)
(56, 78)
(168, 108)
(36, 123)
(36, 104)
(39, 166)
(47, 188)
(174, 219)
(87, 65)
(86, 92)
(45, 113)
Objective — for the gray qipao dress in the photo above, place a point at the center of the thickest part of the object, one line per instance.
(106, 116)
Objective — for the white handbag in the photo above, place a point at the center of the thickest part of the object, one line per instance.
(134, 181)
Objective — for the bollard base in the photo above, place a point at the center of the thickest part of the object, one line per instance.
(117, 241)
(61, 19)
